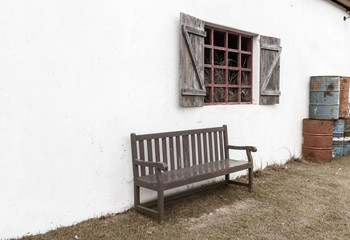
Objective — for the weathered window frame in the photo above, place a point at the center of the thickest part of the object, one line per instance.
(228, 67)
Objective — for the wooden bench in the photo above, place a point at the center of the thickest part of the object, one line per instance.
(163, 161)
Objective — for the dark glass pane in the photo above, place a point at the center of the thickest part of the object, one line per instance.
(207, 73)
(245, 78)
(246, 94)
(233, 94)
(219, 76)
(207, 53)
(207, 98)
(207, 38)
(245, 61)
(233, 77)
(232, 59)
(246, 44)
(219, 95)
(219, 58)
(233, 41)
(219, 39)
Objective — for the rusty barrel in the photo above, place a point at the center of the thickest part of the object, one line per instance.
(344, 97)
(338, 138)
(346, 146)
(318, 135)
(324, 97)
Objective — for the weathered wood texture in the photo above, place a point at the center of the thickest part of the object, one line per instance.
(192, 90)
(344, 97)
(162, 161)
(270, 51)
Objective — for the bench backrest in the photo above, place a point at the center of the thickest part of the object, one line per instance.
(179, 149)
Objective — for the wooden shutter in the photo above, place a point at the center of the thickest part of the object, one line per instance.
(270, 52)
(192, 34)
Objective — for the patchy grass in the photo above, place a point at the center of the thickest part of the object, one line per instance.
(298, 200)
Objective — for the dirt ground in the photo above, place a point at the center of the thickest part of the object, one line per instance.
(298, 200)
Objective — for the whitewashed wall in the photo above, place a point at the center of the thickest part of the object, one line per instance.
(77, 77)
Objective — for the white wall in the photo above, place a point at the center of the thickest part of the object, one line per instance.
(77, 77)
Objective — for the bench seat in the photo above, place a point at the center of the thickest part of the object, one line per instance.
(183, 176)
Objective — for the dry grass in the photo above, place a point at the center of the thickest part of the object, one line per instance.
(298, 200)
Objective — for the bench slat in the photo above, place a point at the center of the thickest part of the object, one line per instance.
(186, 151)
(199, 148)
(142, 156)
(210, 136)
(192, 174)
(193, 149)
(205, 146)
(177, 133)
(178, 153)
(172, 152)
(150, 154)
(165, 151)
(221, 146)
(216, 146)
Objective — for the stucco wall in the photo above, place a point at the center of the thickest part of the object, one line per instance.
(77, 77)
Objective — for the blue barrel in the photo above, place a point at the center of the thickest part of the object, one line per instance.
(346, 146)
(338, 138)
(324, 97)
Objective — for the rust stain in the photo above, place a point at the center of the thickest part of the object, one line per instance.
(316, 84)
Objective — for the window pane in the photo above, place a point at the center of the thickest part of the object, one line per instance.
(246, 94)
(207, 38)
(207, 98)
(245, 61)
(207, 53)
(232, 59)
(246, 44)
(219, 58)
(207, 73)
(233, 94)
(245, 78)
(219, 95)
(219, 76)
(219, 39)
(233, 41)
(233, 77)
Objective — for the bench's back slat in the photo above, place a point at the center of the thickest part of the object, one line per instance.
(150, 154)
(172, 152)
(179, 149)
(142, 156)
(193, 149)
(221, 144)
(199, 148)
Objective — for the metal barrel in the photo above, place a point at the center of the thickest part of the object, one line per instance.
(324, 97)
(344, 97)
(338, 138)
(317, 145)
(346, 146)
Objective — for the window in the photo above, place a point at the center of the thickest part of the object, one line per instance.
(227, 67)
(216, 65)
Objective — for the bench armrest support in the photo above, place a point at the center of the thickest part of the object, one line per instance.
(248, 149)
(159, 165)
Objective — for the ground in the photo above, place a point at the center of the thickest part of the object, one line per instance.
(298, 200)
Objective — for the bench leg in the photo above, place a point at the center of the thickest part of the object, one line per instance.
(160, 206)
(136, 195)
(227, 177)
(250, 179)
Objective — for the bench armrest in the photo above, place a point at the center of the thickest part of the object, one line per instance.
(248, 148)
(160, 165)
